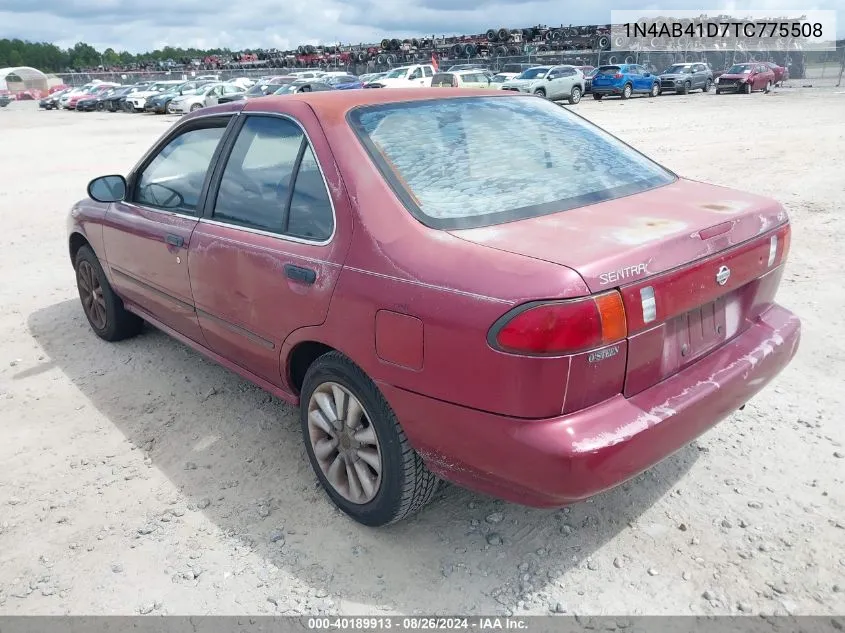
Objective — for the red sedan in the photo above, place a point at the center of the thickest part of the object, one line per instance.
(539, 321)
(746, 78)
(781, 72)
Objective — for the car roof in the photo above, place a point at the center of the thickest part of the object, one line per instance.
(334, 103)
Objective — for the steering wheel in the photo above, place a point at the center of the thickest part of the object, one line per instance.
(170, 198)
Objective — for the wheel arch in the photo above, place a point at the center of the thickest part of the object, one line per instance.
(299, 358)
(76, 241)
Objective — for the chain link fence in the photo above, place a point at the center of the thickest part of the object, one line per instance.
(824, 67)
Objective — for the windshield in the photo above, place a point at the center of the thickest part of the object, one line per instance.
(396, 73)
(739, 69)
(498, 79)
(333, 81)
(454, 164)
(678, 69)
(534, 73)
(288, 89)
(260, 90)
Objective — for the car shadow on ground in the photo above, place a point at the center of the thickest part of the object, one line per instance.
(235, 453)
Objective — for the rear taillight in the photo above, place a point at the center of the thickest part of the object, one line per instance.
(617, 76)
(561, 327)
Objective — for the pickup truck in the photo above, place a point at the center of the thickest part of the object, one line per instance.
(414, 76)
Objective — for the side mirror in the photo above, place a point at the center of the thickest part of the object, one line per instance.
(107, 189)
(548, 78)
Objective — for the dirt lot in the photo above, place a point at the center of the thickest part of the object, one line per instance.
(139, 477)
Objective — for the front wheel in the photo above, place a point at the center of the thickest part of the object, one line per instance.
(627, 91)
(575, 95)
(356, 446)
(102, 307)
(540, 92)
(707, 85)
(655, 90)
(718, 92)
(195, 107)
(768, 87)
(684, 89)
(746, 89)
(597, 97)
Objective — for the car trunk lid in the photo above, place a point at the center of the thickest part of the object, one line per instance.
(693, 262)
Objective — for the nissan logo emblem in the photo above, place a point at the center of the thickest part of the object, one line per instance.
(723, 275)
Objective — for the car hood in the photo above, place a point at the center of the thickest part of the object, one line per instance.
(518, 83)
(642, 235)
(675, 76)
(142, 94)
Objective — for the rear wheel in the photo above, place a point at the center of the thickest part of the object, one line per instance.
(575, 95)
(718, 91)
(103, 308)
(101, 106)
(707, 85)
(627, 91)
(356, 447)
(655, 90)
(768, 87)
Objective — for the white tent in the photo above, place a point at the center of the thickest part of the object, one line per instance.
(16, 79)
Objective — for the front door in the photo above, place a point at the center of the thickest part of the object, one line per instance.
(147, 236)
(268, 250)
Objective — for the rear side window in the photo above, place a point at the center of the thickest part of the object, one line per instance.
(455, 163)
(442, 79)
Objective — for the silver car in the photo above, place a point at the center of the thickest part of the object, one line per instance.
(556, 83)
(203, 97)
(681, 78)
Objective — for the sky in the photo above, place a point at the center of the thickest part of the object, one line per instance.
(142, 25)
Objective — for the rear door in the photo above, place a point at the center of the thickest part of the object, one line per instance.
(267, 252)
(148, 235)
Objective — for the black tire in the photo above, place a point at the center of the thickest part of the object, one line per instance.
(540, 92)
(684, 89)
(575, 95)
(627, 91)
(597, 97)
(707, 85)
(119, 322)
(768, 87)
(655, 90)
(718, 91)
(101, 106)
(406, 484)
(195, 107)
(747, 89)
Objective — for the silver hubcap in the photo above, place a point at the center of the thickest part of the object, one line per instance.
(344, 442)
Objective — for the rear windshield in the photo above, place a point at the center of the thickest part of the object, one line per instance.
(478, 161)
(441, 79)
(608, 70)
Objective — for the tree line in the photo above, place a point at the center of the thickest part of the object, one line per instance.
(51, 58)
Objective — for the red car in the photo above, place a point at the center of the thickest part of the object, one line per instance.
(746, 78)
(781, 72)
(539, 321)
(91, 93)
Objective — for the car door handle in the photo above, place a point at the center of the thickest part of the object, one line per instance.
(300, 274)
(174, 240)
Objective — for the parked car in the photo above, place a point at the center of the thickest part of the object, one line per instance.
(51, 101)
(552, 82)
(298, 86)
(258, 90)
(681, 78)
(96, 101)
(137, 101)
(343, 82)
(116, 101)
(498, 80)
(746, 78)
(160, 103)
(70, 99)
(371, 78)
(202, 97)
(624, 80)
(781, 73)
(4, 101)
(399, 347)
(477, 67)
(461, 79)
(413, 76)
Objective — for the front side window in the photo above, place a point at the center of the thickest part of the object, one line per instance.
(427, 71)
(261, 188)
(173, 180)
(454, 164)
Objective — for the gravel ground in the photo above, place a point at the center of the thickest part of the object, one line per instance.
(141, 478)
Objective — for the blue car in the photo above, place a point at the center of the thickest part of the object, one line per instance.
(344, 82)
(624, 80)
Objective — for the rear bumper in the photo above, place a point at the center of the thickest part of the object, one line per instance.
(607, 90)
(557, 461)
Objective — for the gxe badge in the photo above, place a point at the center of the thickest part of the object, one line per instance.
(723, 275)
